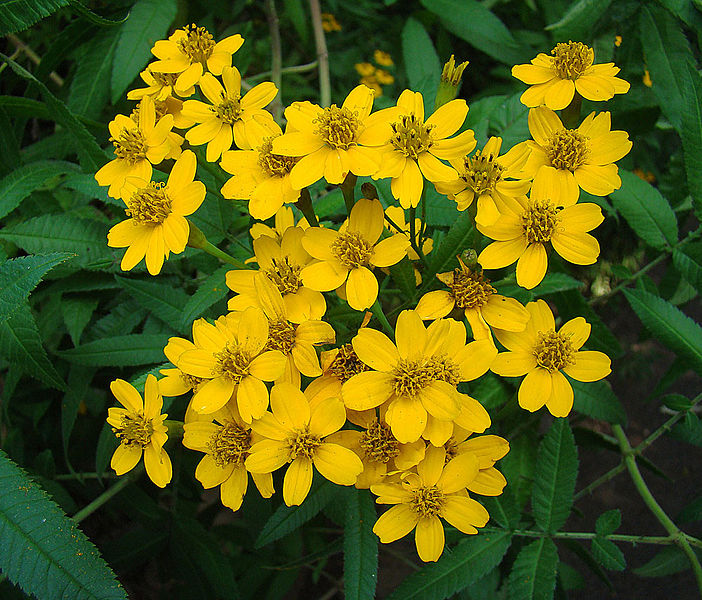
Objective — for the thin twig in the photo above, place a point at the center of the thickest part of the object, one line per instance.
(33, 56)
(276, 58)
(322, 54)
(284, 70)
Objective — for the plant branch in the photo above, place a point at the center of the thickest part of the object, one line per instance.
(322, 54)
(106, 496)
(276, 57)
(33, 56)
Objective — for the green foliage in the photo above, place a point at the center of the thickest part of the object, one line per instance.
(421, 61)
(597, 400)
(579, 19)
(166, 302)
(533, 574)
(360, 547)
(119, 351)
(16, 15)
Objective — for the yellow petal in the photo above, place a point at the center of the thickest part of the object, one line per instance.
(328, 416)
(560, 94)
(473, 416)
(505, 313)
(447, 119)
(297, 481)
(337, 464)
(210, 474)
(407, 419)
(268, 366)
(429, 538)
(581, 217)
(513, 364)
(577, 330)
(267, 456)
(153, 401)
(488, 482)
(407, 187)
(531, 266)
(253, 331)
(367, 218)
(361, 288)
(465, 514)
(535, 390)
(560, 402)
(435, 305)
(502, 254)
(213, 395)
(251, 398)
(324, 275)
(367, 390)
(590, 365)
(395, 523)
(270, 427)
(158, 465)
(127, 395)
(375, 349)
(410, 335)
(439, 399)
(576, 247)
(458, 473)
(541, 317)
(532, 74)
(598, 180)
(390, 251)
(543, 122)
(486, 448)
(290, 406)
(125, 458)
(609, 148)
(436, 432)
(208, 337)
(234, 488)
(475, 358)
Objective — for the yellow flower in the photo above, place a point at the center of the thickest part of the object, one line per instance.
(482, 305)
(140, 430)
(418, 376)
(487, 176)
(282, 261)
(159, 85)
(176, 382)
(555, 79)
(568, 158)
(226, 441)
(137, 147)
(231, 357)
(348, 257)
(261, 177)
(412, 150)
(329, 23)
(227, 117)
(544, 355)
(526, 225)
(383, 77)
(487, 449)
(169, 106)
(295, 434)
(646, 79)
(331, 141)
(364, 69)
(437, 489)
(191, 50)
(383, 58)
(158, 225)
(284, 219)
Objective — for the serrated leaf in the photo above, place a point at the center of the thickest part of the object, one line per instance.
(490, 391)
(24, 107)
(518, 466)
(677, 402)
(688, 262)
(208, 292)
(164, 301)
(533, 575)
(16, 15)
(44, 552)
(148, 21)
(556, 282)
(19, 276)
(608, 555)
(360, 547)
(577, 22)
(20, 343)
(668, 561)
(474, 23)
(509, 121)
(597, 400)
(504, 509)
(79, 379)
(16, 186)
(94, 17)
(403, 275)
(120, 351)
(288, 518)
(691, 135)
(470, 560)
(421, 62)
(76, 315)
(646, 210)
(689, 431)
(554, 477)
(669, 325)
(608, 522)
(459, 237)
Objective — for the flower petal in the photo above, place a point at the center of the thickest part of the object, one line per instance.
(535, 390)
(337, 464)
(395, 523)
(375, 349)
(590, 365)
(297, 481)
(429, 538)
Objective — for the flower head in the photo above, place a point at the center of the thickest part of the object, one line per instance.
(159, 86)
(140, 430)
(555, 79)
(544, 355)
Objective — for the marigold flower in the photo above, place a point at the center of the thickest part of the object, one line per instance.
(169, 106)
(383, 58)
(140, 430)
(489, 177)
(329, 23)
(471, 292)
(191, 50)
(527, 224)
(544, 355)
(159, 86)
(348, 257)
(568, 158)
(364, 69)
(412, 150)
(284, 219)
(555, 79)
(227, 117)
(157, 225)
(226, 441)
(437, 489)
(137, 147)
(487, 449)
(295, 433)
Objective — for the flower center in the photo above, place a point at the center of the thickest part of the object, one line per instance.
(567, 149)
(539, 221)
(303, 444)
(346, 364)
(469, 288)
(427, 501)
(352, 250)
(149, 205)
(274, 164)
(281, 336)
(482, 173)
(337, 127)
(229, 109)
(571, 60)
(197, 44)
(411, 376)
(553, 351)
(135, 430)
(165, 79)
(285, 276)
(160, 108)
(411, 136)
(130, 145)
(232, 363)
(444, 369)
(191, 381)
(230, 444)
(378, 443)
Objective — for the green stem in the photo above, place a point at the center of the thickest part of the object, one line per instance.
(304, 203)
(294, 69)
(322, 54)
(276, 57)
(81, 476)
(223, 256)
(380, 315)
(576, 535)
(347, 189)
(680, 538)
(105, 496)
(413, 235)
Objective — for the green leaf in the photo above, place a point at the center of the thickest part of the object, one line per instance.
(669, 325)
(504, 509)
(24, 107)
(148, 21)
(518, 466)
(668, 561)
(84, 11)
(691, 513)
(688, 262)
(403, 275)
(689, 431)
(44, 552)
(691, 135)
(20, 343)
(608, 555)
(646, 210)
(472, 22)
(16, 186)
(421, 62)
(556, 282)
(120, 351)
(90, 155)
(77, 313)
(459, 238)
(79, 379)
(470, 560)
(288, 518)
(608, 522)
(164, 301)
(597, 400)
(208, 292)
(490, 390)
(534, 571)
(19, 276)
(579, 19)
(554, 477)
(360, 547)
(509, 121)
(90, 88)
(16, 15)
